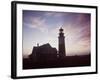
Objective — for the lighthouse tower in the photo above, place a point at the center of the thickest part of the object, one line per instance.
(61, 46)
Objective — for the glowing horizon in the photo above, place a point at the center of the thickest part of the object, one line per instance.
(43, 27)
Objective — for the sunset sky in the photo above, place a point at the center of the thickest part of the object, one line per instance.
(43, 27)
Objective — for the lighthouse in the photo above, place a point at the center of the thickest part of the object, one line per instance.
(61, 46)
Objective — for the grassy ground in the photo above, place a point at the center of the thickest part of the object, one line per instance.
(68, 61)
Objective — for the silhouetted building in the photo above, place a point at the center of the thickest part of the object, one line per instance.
(61, 43)
(43, 52)
(45, 56)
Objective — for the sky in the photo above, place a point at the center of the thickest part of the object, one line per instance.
(41, 27)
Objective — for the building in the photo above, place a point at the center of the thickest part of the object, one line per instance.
(46, 52)
(61, 46)
(43, 52)
(45, 56)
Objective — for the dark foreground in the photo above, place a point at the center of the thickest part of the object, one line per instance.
(68, 61)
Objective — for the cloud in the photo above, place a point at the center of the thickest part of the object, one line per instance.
(77, 36)
(76, 30)
(54, 14)
(37, 23)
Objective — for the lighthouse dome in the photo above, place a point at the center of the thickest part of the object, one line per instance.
(61, 29)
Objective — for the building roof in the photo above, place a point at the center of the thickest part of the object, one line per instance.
(44, 49)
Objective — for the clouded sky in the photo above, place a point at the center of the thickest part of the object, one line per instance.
(43, 27)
